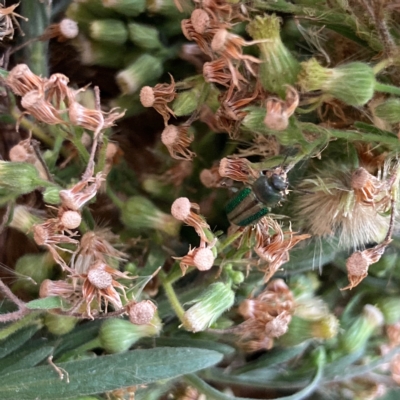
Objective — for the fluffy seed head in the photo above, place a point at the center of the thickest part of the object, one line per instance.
(99, 278)
(203, 259)
(169, 135)
(200, 20)
(180, 208)
(69, 28)
(142, 313)
(147, 96)
(71, 219)
(357, 264)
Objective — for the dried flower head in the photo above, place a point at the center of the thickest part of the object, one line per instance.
(66, 290)
(279, 111)
(158, 97)
(99, 283)
(141, 313)
(21, 80)
(75, 197)
(217, 71)
(69, 219)
(35, 104)
(65, 30)
(183, 210)
(177, 141)
(267, 316)
(51, 235)
(211, 178)
(238, 169)
(8, 18)
(274, 248)
(94, 246)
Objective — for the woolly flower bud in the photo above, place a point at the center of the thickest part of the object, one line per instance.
(23, 220)
(146, 68)
(109, 31)
(389, 306)
(59, 324)
(51, 195)
(144, 36)
(70, 219)
(18, 178)
(359, 332)
(140, 213)
(300, 329)
(130, 8)
(389, 111)
(218, 298)
(352, 83)
(141, 313)
(118, 335)
(279, 68)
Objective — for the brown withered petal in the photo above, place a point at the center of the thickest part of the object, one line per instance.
(22, 80)
(358, 263)
(237, 169)
(177, 141)
(36, 105)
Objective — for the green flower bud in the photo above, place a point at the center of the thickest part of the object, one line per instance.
(32, 270)
(18, 178)
(279, 68)
(186, 102)
(144, 36)
(145, 69)
(140, 213)
(130, 8)
(389, 111)
(23, 220)
(164, 7)
(390, 308)
(352, 83)
(218, 298)
(97, 8)
(80, 14)
(301, 329)
(102, 54)
(118, 335)
(59, 324)
(359, 332)
(254, 121)
(51, 195)
(109, 31)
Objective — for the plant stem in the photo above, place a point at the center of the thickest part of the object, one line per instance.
(171, 295)
(381, 87)
(30, 319)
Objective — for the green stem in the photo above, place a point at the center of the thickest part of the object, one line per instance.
(171, 295)
(30, 319)
(381, 87)
(90, 345)
(114, 198)
(229, 240)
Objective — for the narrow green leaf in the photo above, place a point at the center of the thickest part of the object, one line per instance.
(272, 358)
(91, 376)
(17, 339)
(30, 359)
(47, 303)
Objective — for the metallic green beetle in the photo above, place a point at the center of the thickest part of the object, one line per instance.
(252, 203)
